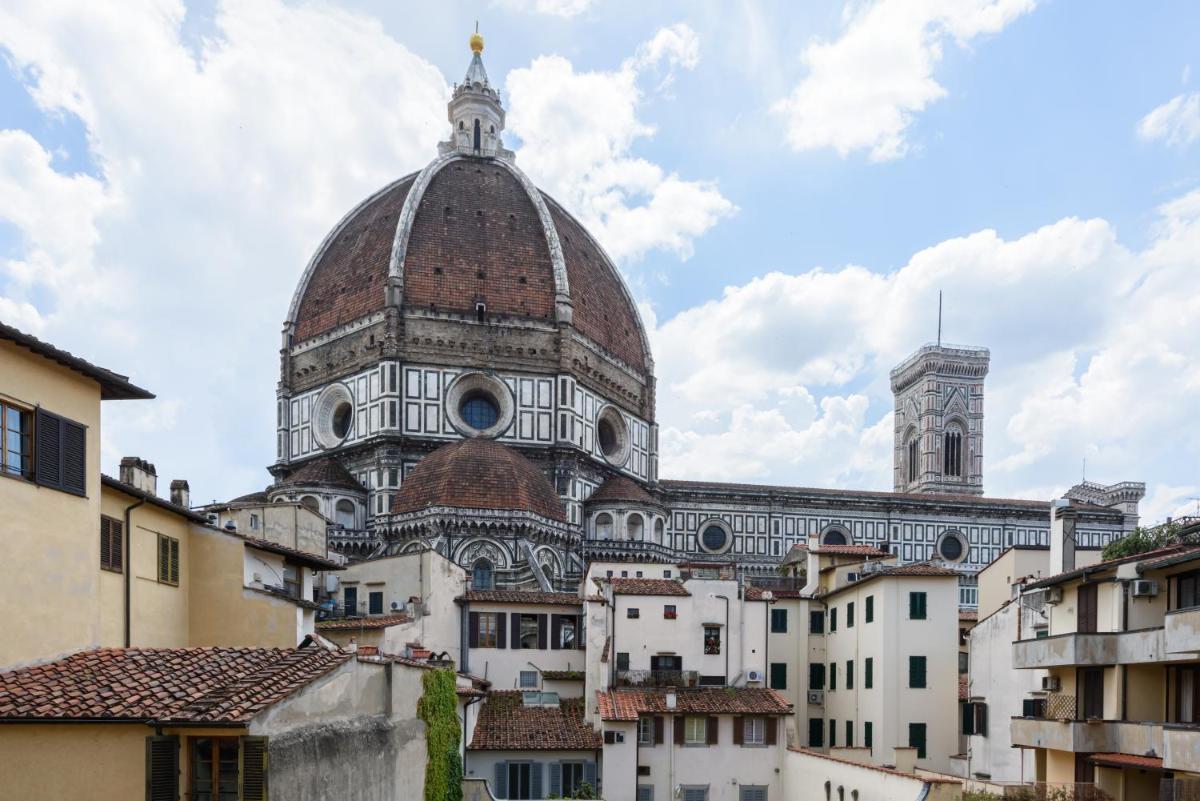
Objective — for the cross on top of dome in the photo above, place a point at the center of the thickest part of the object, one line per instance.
(475, 111)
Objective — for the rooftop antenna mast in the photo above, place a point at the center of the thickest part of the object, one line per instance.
(939, 318)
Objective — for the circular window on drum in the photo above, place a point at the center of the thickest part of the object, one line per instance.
(952, 547)
(714, 536)
(612, 436)
(333, 416)
(479, 405)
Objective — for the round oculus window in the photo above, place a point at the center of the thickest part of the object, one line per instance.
(951, 548)
(714, 538)
(479, 410)
(333, 415)
(479, 405)
(612, 436)
(608, 437)
(343, 416)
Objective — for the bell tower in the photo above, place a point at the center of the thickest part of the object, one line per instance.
(938, 418)
(476, 116)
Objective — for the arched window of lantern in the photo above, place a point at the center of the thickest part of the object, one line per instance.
(636, 527)
(604, 526)
(344, 513)
(659, 531)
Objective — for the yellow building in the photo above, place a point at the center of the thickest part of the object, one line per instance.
(1120, 706)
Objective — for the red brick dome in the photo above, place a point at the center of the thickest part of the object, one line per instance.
(466, 231)
(478, 473)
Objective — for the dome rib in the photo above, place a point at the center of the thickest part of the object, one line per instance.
(478, 474)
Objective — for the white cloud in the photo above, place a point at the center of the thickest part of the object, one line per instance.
(578, 130)
(1094, 354)
(554, 8)
(1177, 121)
(863, 89)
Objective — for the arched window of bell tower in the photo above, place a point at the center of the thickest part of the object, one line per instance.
(477, 136)
(912, 457)
(952, 451)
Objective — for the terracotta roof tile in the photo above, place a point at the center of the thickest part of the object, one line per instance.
(620, 488)
(1158, 554)
(506, 724)
(918, 569)
(213, 685)
(1128, 761)
(478, 474)
(522, 597)
(113, 386)
(850, 550)
(628, 704)
(645, 586)
(968, 615)
(356, 623)
(323, 471)
(296, 555)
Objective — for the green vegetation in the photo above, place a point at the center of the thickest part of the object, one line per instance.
(1141, 540)
(438, 707)
(585, 790)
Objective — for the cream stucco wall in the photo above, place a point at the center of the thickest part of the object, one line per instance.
(51, 537)
(805, 776)
(502, 666)
(100, 762)
(722, 767)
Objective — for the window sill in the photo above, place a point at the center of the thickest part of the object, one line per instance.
(118, 570)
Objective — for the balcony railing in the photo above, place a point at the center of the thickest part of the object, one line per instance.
(777, 583)
(1181, 750)
(658, 678)
(629, 550)
(1091, 648)
(1088, 737)
(1183, 630)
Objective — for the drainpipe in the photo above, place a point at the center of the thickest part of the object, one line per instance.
(766, 639)
(725, 598)
(129, 568)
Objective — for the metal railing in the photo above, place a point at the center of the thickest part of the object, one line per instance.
(777, 583)
(658, 678)
(1179, 790)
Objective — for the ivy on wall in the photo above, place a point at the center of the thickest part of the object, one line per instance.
(438, 707)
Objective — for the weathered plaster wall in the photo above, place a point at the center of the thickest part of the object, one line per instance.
(805, 775)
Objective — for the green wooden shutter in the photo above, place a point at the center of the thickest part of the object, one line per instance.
(164, 559)
(870, 614)
(868, 739)
(849, 674)
(252, 772)
(501, 788)
(778, 675)
(162, 768)
(816, 733)
(816, 676)
(916, 672)
(916, 605)
(869, 673)
(174, 560)
(106, 559)
(850, 615)
(555, 779)
(916, 738)
(833, 675)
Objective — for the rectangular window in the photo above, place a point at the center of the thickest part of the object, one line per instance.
(645, 792)
(528, 680)
(816, 733)
(633, 612)
(850, 615)
(754, 731)
(849, 734)
(622, 661)
(572, 778)
(916, 606)
(669, 612)
(868, 735)
(869, 673)
(520, 780)
(214, 768)
(375, 603)
(916, 738)
(645, 730)
(832, 733)
(695, 794)
(816, 676)
(833, 675)
(816, 623)
(778, 676)
(168, 560)
(1086, 609)
(916, 672)
(849, 674)
(1187, 590)
(870, 612)
(254, 522)
(712, 640)
(832, 620)
(487, 629)
(112, 543)
(750, 792)
(568, 634)
(529, 631)
(350, 601)
(963, 663)
(695, 730)
(16, 439)
(779, 621)
(974, 718)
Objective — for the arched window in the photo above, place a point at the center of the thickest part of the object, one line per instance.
(635, 527)
(477, 136)
(658, 531)
(604, 525)
(481, 575)
(311, 502)
(344, 513)
(912, 458)
(548, 572)
(952, 459)
(828, 791)
(835, 535)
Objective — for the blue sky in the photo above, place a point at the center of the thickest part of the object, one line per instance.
(785, 187)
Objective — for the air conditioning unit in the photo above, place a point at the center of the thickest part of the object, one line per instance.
(1051, 684)
(754, 675)
(1054, 595)
(1145, 588)
(816, 697)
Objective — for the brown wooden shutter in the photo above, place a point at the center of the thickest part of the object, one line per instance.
(772, 730)
(473, 630)
(738, 728)
(658, 730)
(105, 545)
(174, 561)
(501, 630)
(117, 529)
(48, 441)
(516, 631)
(252, 773)
(74, 451)
(541, 619)
(556, 624)
(164, 559)
(1086, 609)
(679, 730)
(580, 643)
(712, 729)
(162, 768)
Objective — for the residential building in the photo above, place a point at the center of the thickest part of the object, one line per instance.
(514, 638)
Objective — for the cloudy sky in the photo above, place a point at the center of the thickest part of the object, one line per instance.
(785, 186)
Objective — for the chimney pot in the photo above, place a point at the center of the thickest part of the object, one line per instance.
(139, 473)
(181, 494)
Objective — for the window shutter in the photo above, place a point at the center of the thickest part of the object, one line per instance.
(117, 546)
(555, 779)
(74, 457)
(816, 676)
(738, 724)
(658, 730)
(870, 608)
(772, 730)
(164, 559)
(580, 643)
(916, 738)
(48, 436)
(816, 733)
(968, 718)
(473, 630)
(712, 730)
(589, 774)
(679, 730)
(501, 788)
(556, 632)
(535, 778)
(162, 768)
(981, 719)
(105, 543)
(253, 770)
(516, 631)
(501, 629)
(916, 672)
(833, 675)
(541, 632)
(868, 735)
(174, 561)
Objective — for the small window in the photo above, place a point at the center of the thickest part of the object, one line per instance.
(479, 410)
(870, 612)
(833, 733)
(528, 680)
(254, 522)
(779, 621)
(529, 629)
(754, 731)
(832, 620)
(488, 624)
(869, 673)
(567, 634)
(816, 733)
(633, 612)
(666, 574)
(695, 730)
(622, 661)
(816, 676)
(916, 738)
(849, 674)
(849, 734)
(481, 575)
(778, 676)
(916, 606)
(916, 672)
(375, 603)
(712, 640)
(168, 560)
(16, 438)
(963, 663)
(112, 544)
(850, 615)
(868, 735)
(833, 676)
(816, 623)
(645, 730)
(669, 612)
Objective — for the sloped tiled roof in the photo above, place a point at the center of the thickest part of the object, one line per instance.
(645, 586)
(627, 704)
(294, 554)
(1128, 761)
(620, 488)
(196, 685)
(522, 597)
(506, 724)
(1165, 554)
(918, 569)
(323, 471)
(357, 623)
(113, 386)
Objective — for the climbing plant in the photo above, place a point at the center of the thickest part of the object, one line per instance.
(438, 707)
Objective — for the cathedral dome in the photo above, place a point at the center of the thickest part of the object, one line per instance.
(478, 474)
(474, 237)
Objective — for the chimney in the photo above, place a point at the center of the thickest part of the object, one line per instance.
(1062, 536)
(904, 759)
(140, 474)
(812, 566)
(181, 493)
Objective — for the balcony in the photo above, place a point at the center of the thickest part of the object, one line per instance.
(1181, 746)
(629, 551)
(777, 583)
(658, 678)
(1183, 630)
(1097, 648)
(1094, 736)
